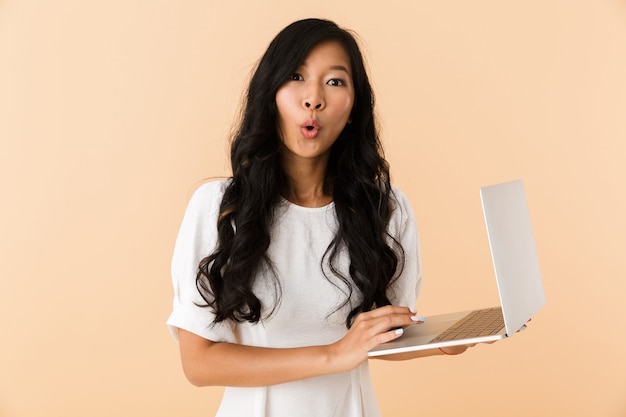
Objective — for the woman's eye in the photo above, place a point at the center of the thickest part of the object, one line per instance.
(335, 82)
(295, 77)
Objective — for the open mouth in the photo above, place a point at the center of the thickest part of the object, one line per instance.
(310, 129)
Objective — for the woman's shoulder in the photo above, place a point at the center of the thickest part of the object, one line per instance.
(401, 210)
(399, 199)
(208, 195)
(213, 186)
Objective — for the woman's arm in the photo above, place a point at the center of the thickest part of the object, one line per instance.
(226, 364)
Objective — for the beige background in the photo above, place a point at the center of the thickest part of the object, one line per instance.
(111, 112)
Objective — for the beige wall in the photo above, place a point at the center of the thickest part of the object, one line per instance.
(111, 112)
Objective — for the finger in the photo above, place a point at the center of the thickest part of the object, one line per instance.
(388, 323)
(386, 310)
(388, 336)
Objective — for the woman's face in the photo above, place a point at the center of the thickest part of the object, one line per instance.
(314, 105)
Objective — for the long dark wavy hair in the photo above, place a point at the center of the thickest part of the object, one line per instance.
(357, 177)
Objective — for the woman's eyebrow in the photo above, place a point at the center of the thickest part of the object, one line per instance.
(340, 68)
(333, 67)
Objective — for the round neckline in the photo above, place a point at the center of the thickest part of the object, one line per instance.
(304, 208)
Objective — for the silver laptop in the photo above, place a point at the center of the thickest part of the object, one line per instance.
(517, 274)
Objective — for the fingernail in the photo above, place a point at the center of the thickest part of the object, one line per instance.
(413, 310)
(399, 331)
(418, 318)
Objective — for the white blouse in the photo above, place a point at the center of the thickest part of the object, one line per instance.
(309, 312)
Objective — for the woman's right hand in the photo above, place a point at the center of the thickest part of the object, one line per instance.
(370, 329)
(207, 362)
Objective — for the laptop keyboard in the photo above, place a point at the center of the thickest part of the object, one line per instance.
(478, 323)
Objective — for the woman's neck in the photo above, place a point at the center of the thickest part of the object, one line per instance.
(307, 184)
(308, 196)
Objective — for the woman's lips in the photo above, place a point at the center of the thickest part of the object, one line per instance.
(310, 129)
(309, 133)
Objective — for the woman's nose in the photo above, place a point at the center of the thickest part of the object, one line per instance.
(315, 105)
(314, 99)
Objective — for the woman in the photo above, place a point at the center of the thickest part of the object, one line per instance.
(289, 272)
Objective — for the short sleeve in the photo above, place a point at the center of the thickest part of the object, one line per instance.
(196, 239)
(402, 227)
